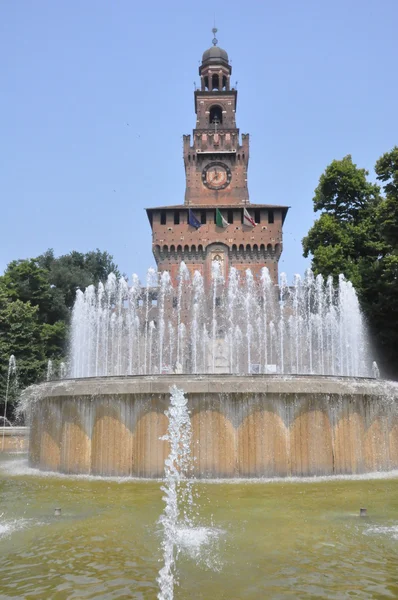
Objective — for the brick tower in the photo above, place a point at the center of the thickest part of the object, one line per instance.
(217, 220)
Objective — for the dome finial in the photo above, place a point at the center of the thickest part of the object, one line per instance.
(214, 40)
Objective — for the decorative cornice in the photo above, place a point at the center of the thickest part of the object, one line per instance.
(235, 252)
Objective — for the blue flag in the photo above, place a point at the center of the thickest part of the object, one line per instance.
(192, 220)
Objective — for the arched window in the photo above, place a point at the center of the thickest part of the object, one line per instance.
(216, 114)
(215, 82)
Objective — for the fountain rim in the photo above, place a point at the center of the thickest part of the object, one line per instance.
(218, 384)
(151, 376)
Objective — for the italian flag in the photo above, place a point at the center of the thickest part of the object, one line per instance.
(220, 221)
(247, 220)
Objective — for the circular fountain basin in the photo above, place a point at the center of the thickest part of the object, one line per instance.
(243, 426)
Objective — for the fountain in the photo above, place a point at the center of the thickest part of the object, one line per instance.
(174, 381)
(279, 381)
(11, 382)
(50, 371)
(13, 439)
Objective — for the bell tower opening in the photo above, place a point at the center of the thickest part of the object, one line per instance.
(215, 83)
(215, 115)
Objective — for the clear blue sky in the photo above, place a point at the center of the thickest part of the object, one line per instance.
(317, 80)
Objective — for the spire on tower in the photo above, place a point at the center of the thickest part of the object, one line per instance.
(214, 40)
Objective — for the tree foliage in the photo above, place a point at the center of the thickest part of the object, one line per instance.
(357, 234)
(387, 172)
(73, 271)
(36, 300)
(344, 191)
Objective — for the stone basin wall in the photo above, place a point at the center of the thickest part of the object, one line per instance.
(243, 426)
(14, 439)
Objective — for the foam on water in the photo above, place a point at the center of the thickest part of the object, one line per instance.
(390, 531)
(21, 468)
(5, 528)
(200, 544)
(192, 539)
(8, 527)
(312, 479)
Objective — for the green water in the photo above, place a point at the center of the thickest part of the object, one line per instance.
(275, 540)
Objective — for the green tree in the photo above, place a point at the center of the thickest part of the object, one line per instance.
(36, 300)
(345, 236)
(74, 271)
(385, 304)
(354, 235)
(345, 192)
(20, 334)
(26, 281)
(387, 172)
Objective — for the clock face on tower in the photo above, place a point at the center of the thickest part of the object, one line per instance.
(216, 176)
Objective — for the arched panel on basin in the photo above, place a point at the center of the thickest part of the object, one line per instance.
(34, 438)
(377, 455)
(311, 448)
(393, 440)
(262, 445)
(76, 442)
(213, 444)
(111, 446)
(148, 450)
(349, 442)
(50, 442)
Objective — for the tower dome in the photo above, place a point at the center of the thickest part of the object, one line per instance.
(214, 55)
